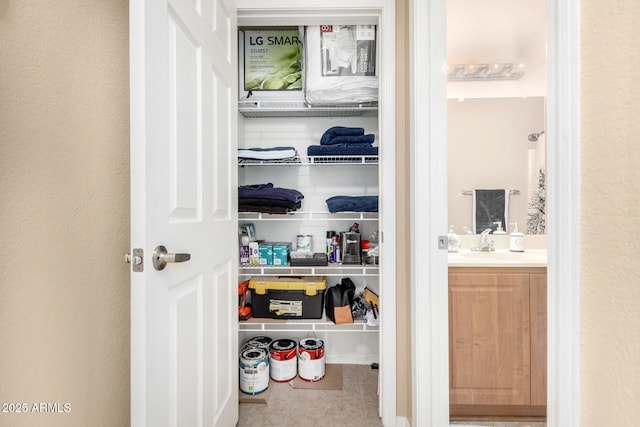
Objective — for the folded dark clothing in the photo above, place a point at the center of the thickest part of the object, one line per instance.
(340, 131)
(268, 191)
(342, 150)
(346, 139)
(352, 204)
(263, 209)
(269, 202)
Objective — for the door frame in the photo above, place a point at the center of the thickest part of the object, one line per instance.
(318, 12)
(428, 133)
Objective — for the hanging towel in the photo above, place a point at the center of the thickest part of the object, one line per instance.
(490, 206)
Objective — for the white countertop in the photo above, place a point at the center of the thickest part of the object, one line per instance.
(498, 258)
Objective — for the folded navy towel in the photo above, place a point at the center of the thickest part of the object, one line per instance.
(346, 139)
(342, 150)
(268, 191)
(352, 204)
(340, 131)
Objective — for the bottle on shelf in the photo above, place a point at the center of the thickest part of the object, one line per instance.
(365, 246)
(453, 239)
(516, 239)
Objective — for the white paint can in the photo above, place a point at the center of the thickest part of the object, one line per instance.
(311, 364)
(254, 370)
(304, 243)
(283, 363)
(260, 341)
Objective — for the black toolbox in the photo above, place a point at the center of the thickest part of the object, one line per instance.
(288, 297)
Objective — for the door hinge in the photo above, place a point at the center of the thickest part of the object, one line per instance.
(443, 242)
(136, 259)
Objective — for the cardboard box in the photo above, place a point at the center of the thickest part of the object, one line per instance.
(281, 253)
(265, 254)
(244, 255)
(254, 253)
(288, 297)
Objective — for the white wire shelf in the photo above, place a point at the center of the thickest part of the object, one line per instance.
(251, 109)
(310, 216)
(312, 160)
(319, 325)
(331, 270)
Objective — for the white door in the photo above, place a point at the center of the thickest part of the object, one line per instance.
(183, 196)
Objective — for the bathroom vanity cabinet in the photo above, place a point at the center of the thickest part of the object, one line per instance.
(497, 342)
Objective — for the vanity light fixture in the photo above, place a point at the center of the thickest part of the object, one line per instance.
(484, 72)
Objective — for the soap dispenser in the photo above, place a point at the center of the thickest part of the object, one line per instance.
(499, 229)
(516, 239)
(454, 240)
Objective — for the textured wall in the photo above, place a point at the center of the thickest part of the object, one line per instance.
(64, 162)
(610, 128)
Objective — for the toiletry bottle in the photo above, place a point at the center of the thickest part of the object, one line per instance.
(499, 229)
(516, 239)
(454, 240)
(329, 239)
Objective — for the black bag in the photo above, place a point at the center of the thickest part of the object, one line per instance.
(338, 301)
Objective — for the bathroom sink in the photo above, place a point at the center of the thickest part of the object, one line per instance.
(499, 258)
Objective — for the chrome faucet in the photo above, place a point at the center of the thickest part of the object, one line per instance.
(486, 244)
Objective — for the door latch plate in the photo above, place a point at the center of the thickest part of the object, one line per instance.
(443, 242)
(136, 259)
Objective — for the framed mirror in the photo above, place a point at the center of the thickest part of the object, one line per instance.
(496, 95)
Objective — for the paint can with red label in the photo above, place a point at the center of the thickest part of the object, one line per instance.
(283, 363)
(311, 364)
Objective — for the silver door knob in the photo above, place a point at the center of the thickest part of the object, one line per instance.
(161, 257)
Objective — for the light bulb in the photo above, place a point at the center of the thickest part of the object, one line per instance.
(496, 67)
(470, 68)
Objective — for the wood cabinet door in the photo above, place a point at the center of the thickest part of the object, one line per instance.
(489, 338)
(538, 297)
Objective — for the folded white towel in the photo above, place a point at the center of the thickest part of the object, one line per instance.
(272, 153)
